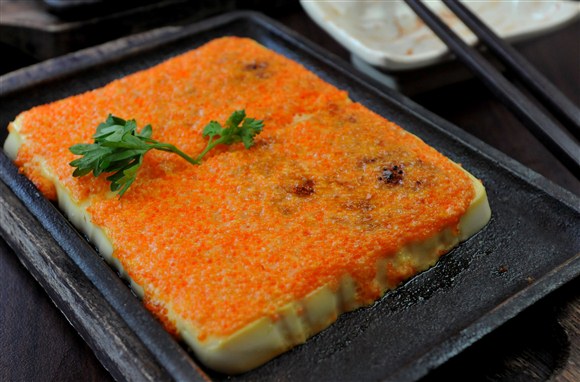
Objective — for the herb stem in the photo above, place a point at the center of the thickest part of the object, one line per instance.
(119, 148)
(210, 145)
(171, 148)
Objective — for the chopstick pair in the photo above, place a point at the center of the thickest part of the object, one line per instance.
(560, 142)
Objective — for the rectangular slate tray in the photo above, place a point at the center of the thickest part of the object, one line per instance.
(533, 234)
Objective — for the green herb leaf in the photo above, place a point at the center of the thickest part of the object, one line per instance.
(250, 128)
(119, 148)
(232, 133)
(236, 118)
(212, 129)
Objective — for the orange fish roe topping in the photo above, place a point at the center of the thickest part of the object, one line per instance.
(329, 188)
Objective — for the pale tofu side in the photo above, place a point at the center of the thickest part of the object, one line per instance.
(266, 338)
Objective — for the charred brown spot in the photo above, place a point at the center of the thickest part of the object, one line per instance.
(256, 65)
(351, 118)
(358, 205)
(365, 161)
(392, 174)
(304, 188)
(418, 184)
(259, 68)
(333, 108)
(285, 210)
(265, 141)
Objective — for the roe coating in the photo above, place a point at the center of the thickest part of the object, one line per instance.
(237, 238)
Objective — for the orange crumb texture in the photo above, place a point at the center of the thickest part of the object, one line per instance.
(329, 188)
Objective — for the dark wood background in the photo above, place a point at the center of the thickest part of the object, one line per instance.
(542, 343)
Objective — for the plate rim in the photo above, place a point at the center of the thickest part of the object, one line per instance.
(386, 60)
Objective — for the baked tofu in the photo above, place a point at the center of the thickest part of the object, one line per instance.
(253, 251)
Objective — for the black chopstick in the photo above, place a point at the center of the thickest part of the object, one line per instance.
(530, 77)
(557, 140)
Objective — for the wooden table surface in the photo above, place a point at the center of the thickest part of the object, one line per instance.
(542, 343)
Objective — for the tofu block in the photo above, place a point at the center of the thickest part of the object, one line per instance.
(255, 250)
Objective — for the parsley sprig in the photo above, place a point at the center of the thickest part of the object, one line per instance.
(119, 148)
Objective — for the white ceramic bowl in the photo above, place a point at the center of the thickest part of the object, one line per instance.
(387, 34)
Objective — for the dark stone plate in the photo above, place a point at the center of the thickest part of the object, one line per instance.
(530, 247)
